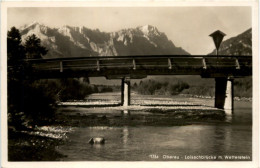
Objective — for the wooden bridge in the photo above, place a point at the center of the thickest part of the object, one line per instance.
(114, 67)
(223, 68)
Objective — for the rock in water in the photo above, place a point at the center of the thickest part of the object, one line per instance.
(97, 140)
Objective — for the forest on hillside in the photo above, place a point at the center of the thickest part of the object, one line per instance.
(194, 86)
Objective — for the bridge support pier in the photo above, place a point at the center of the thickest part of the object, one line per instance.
(224, 97)
(125, 92)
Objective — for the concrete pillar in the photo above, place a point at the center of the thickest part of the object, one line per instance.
(122, 91)
(229, 102)
(224, 94)
(125, 92)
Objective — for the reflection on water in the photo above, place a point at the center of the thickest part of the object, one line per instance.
(125, 135)
(129, 143)
(125, 112)
(229, 112)
(228, 118)
(232, 136)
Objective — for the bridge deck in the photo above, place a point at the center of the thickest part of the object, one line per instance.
(141, 66)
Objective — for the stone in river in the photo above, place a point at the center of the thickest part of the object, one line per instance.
(97, 140)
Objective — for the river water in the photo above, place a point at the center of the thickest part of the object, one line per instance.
(228, 138)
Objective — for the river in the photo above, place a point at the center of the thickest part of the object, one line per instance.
(161, 133)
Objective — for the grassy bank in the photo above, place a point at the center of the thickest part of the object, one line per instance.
(26, 147)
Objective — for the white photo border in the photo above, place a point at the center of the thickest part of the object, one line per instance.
(184, 164)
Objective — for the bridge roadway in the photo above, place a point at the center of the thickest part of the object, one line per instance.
(223, 68)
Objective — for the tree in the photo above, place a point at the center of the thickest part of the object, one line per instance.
(33, 47)
(28, 101)
(15, 50)
(15, 55)
(16, 67)
(135, 85)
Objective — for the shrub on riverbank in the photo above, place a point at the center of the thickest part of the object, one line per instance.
(194, 86)
(200, 90)
(29, 104)
(243, 87)
(73, 89)
(151, 87)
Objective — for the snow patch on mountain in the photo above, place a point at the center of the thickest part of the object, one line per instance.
(66, 31)
(149, 30)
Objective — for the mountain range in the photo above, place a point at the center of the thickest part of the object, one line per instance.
(70, 41)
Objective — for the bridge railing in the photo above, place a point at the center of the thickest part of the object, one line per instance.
(143, 62)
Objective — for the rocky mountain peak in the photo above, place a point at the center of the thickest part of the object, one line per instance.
(34, 25)
(40, 30)
(149, 30)
(66, 31)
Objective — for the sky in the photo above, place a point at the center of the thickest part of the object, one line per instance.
(186, 27)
